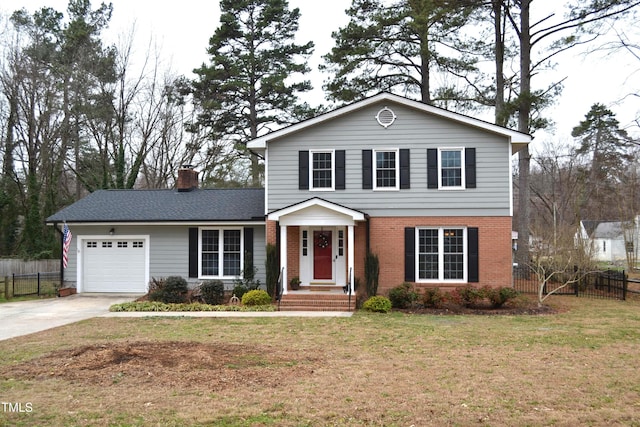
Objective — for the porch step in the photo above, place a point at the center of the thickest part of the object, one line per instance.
(317, 301)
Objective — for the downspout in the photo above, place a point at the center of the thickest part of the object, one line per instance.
(368, 233)
(55, 225)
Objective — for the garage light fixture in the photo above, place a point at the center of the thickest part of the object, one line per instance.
(112, 231)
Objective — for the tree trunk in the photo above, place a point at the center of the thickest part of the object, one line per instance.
(524, 158)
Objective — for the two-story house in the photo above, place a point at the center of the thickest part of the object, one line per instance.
(426, 190)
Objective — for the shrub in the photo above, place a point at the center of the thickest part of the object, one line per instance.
(212, 292)
(377, 304)
(371, 273)
(256, 297)
(403, 296)
(433, 297)
(467, 296)
(172, 290)
(499, 296)
(271, 266)
(239, 290)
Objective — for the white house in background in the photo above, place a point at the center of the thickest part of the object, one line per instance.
(611, 240)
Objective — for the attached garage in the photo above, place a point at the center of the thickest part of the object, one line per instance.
(117, 265)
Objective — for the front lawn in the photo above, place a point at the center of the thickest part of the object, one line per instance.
(576, 367)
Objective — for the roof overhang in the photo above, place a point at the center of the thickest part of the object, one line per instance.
(316, 212)
(518, 140)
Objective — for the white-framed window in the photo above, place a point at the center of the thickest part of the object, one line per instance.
(441, 254)
(220, 252)
(322, 173)
(386, 170)
(451, 173)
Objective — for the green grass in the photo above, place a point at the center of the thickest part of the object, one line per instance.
(576, 367)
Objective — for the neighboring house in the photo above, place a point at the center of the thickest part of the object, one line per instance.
(123, 238)
(611, 241)
(426, 190)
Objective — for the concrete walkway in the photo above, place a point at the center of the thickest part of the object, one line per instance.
(26, 317)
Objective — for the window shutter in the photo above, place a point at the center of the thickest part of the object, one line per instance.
(193, 252)
(473, 275)
(248, 245)
(470, 167)
(432, 168)
(409, 254)
(340, 169)
(404, 169)
(303, 170)
(367, 169)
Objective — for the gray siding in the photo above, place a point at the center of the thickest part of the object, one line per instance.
(168, 248)
(412, 129)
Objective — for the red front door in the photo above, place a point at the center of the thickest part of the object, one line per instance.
(322, 255)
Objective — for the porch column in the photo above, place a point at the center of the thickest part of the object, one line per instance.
(350, 256)
(283, 258)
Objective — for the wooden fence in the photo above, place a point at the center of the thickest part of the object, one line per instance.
(9, 266)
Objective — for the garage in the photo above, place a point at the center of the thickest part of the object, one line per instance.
(114, 265)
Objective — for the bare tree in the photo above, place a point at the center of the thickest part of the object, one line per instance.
(560, 258)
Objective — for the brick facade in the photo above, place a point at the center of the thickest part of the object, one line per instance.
(495, 257)
(387, 241)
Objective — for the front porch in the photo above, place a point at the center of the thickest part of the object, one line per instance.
(317, 247)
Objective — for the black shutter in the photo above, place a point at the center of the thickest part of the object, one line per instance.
(193, 252)
(340, 170)
(473, 273)
(432, 168)
(248, 245)
(470, 167)
(367, 169)
(404, 169)
(409, 254)
(303, 170)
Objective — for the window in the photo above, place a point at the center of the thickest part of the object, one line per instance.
(451, 168)
(386, 169)
(122, 244)
(92, 244)
(305, 243)
(322, 171)
(220, 252)
(441, 254)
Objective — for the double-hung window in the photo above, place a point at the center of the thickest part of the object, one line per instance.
(386, 170)
(442, 254)
(322, 170)
(452, 169)
(220, 252)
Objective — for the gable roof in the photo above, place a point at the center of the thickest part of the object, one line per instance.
(603, 229)
(237, 204)
(517, 139)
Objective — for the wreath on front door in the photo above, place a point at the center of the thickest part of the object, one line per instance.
(322, 241)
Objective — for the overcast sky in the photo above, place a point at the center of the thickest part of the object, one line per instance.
(182, 30)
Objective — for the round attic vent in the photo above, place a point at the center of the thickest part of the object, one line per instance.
(386, 117)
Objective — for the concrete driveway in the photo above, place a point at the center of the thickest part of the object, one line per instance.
(26, 317)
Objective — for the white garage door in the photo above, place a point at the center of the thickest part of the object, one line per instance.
(114, 265)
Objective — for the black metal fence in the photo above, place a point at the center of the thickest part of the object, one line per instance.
(608, 284)
(34, 284)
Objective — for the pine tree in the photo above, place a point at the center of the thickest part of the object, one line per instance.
(252, 82)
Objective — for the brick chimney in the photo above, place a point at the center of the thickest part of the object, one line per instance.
(187, 178)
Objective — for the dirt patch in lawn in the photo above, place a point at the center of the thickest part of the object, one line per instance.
(173, 364)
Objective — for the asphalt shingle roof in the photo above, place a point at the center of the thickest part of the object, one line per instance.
(237, 204)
